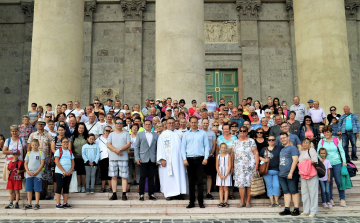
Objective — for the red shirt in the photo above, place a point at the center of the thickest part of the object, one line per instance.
(12, 167)
(191, 111)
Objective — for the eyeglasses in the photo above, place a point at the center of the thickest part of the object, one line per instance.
(216, 125)
(194, 102)
(271, 140)
(210, 96)
(259, 133)
(107, 131)
(242, 131)
(111, 111)
(119, 123)
(127, 113)
(234, 126)
(307, 120)
(96, 103)
(65, 142)
(226, 110)
(47, 116)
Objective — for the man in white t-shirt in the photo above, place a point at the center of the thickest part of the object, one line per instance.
(211, 105)
(70, 109)
(117, 108)
(92, 126)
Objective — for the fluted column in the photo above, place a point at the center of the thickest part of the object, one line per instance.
(57, 48)
(180, 50)
(322, 52)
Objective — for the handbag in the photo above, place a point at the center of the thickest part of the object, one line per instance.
(257, 185)
(264, 168)
(73, 183)
(320, 167)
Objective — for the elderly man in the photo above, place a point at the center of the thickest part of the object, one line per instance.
(168, 113)
(317, 115)
(276, 130)
(173, 177)
(85, 117)
(72, 124)
(152, 105)
(311, 104)
(70, 109)
(204, 115)
(349, 130)
(45, 140)
(300, 109)
(152, 114)
(236, 118)
(93, 127)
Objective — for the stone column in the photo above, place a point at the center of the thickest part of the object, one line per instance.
(289, 8)
(180, 50)
(133, 16)
(250, 47)
(86, 99)
(57, 48)
(322, 53)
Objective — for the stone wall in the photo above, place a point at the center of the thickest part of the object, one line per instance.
(117, 50)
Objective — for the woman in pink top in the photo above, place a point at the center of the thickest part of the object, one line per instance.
(309, 186)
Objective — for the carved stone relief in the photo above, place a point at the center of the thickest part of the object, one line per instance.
(223, 32)
(107, 93)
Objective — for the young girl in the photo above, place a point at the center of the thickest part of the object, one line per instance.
(90, 155)
(16, 169)
(325, 181)
(223, 178)
(334, 125)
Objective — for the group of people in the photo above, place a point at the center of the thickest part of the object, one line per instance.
(168, 144)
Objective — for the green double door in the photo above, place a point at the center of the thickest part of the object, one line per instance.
(222, 84)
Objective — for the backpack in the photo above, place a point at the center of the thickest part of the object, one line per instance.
(9, 141)
(61, 152)
(320, 167)
(352, 169)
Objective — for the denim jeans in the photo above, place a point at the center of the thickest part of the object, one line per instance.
(335, 172)
(272, 183)
(345, 143)
(325, 191)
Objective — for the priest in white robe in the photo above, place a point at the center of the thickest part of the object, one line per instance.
(172, 173)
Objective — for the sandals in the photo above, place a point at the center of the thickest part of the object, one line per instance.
(221, 205)
(232, 197)
(225, 205)
(102, 190)
(241, 205)
(248, 205)
(271, 205)
(276, 205)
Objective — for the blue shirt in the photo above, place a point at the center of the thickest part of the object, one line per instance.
(348, 125)
(293, 138)
(239, 120)
(195, 144)
(286, 160)
(211, 106)
(65, 160)
(354, 122)
(107, 108)
(211, 136)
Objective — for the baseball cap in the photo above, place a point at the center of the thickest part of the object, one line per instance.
(16, 152)
(157, 99)
(310, 101)
(41, 121)
(168, 109)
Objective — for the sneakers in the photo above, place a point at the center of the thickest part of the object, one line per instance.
(78, 191)
(83, 190)
(312, 216)
(92, 190)
(28, 206)
(36, 207)
(304, 214)
(17, 206)
(209, 197)
(113, 197)
(59, 206)
(87, 190)
(66, 205)
(342, 203)
(295, 212)
(329, 205)
(10, 206)
(325, 205)
(285, 212)
(332, 203)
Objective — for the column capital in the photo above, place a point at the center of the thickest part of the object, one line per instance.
(133, 9)
(248, 9)
(28, 10)
(351, 7)
(90, 7)
(290, 9)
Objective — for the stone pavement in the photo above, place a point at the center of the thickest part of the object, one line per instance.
(350, 218)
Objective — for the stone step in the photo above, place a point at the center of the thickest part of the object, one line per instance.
(155, 211)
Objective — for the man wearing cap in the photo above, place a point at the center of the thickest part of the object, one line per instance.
(317, 115)
(147, 107)
(211, 105)
(168, 113)
(311, 104)
(300, 109)
(182, 105)
(108, 105)
(45, 140)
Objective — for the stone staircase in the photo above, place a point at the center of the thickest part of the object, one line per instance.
(98, 204)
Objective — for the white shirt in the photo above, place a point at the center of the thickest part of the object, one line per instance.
(149, 137)
(67, 112)
(47, 128)
(101, 142)
(94, 128)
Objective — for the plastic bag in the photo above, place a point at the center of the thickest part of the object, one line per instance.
(73, 183)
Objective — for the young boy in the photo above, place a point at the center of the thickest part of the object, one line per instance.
(34, 162)
(16, 168)
(49, 109)
(51, 126)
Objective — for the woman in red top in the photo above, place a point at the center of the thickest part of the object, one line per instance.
(193, 109)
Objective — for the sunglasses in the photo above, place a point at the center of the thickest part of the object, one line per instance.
(271, 140)
(333, 110)
(259, 133)
(111, 111)
(209, 96)
(215, 125)
(47, 116)
(226, 110)
(108, 130)
(152, 103)
(127, 113)
(242, 131)
(119, 123)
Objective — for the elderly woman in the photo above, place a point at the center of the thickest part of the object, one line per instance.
(246, 162)
(294, 125)
(155, 121)
(255, 124)
(309, 183)
(104, 159)
(13, 143)
(25, 129)
(268, 116)
(160, 128)
(271, 155)
(336, 156)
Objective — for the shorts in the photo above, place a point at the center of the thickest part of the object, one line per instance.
(290, 186)
(14, 185)
(210, 168)
(119, 165)
(33, 183)
(79, 166)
